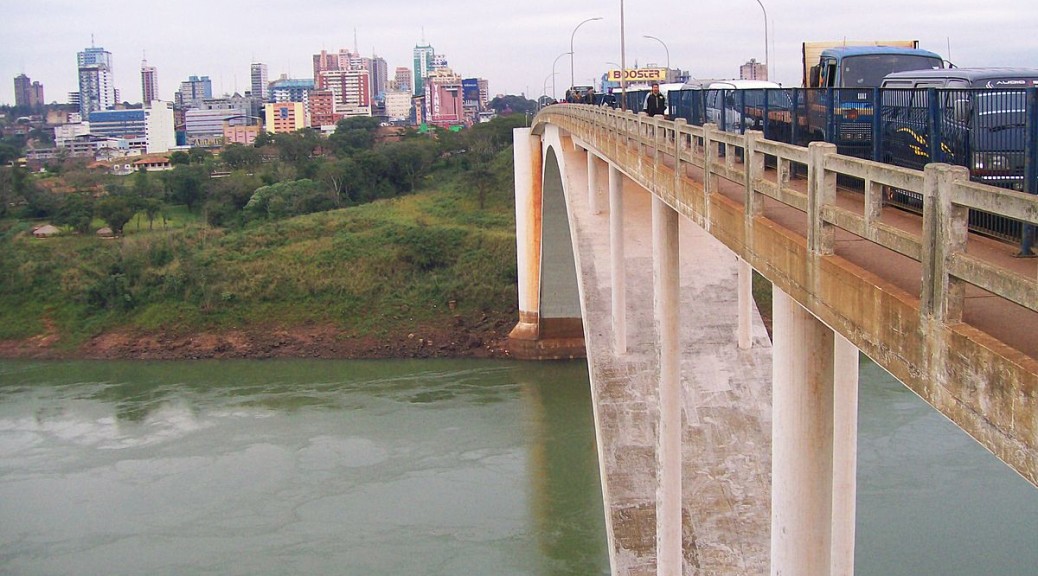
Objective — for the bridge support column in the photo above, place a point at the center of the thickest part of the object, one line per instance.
(528, 199)
(802, 441)
(746, 305)
(667, 306)
(845, 455)
(617, 267)
(594, 188)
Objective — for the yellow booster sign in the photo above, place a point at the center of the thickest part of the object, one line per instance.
(639, 75)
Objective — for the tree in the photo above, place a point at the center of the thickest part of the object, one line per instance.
(77, 211)
(372, 175)
(298, 146)
(116, 211)
(511, 104)
(338, 178)
(145, 185)
(286, 199)
(264, 138)
(199, 155)
(353, 134)
(480, 175)
(179, 158)
(228, 196)
(238, 156)
(408, 161)
(187, 185)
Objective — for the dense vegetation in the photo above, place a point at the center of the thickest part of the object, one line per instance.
(368, 235)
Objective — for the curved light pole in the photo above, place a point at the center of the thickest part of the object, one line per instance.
(623, 62)
(666, 49)
(767, 65)
(544, 90)
(571, 46)
(553, 72)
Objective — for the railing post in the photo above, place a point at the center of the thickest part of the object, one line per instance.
(945, 230)
(709, 178)
(821, 192)
(753, 206)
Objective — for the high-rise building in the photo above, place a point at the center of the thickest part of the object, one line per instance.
(343, 60)
(444, 99)
(423, 65)
(258, 73)
(403, 78)
(352, 89)
(158, 127)
(753, 70)
(285, 117)
(291, 90)
(379, 73)
(149, 84)
(27, 94)
(96, 86)
(193, 91)
(398, 105)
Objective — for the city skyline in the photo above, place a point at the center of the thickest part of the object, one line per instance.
(227, 39)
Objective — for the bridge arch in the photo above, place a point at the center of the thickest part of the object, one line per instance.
(550, 325)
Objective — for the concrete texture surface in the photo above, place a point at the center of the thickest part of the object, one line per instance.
(726, 405)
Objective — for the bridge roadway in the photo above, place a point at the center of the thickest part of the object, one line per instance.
(726, 398)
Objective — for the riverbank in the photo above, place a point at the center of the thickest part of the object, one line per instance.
(483, 337)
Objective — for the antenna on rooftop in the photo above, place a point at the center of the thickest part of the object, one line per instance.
(356, 50)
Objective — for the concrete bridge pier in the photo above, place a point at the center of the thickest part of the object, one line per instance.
(667, 308)
(550, 324)
(616, 261)
(814, 444)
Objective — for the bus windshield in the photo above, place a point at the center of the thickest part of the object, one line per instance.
(868, 70)
(1001, 110)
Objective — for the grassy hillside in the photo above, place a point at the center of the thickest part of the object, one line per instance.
(373, 271)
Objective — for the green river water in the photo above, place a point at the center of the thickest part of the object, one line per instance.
(410, 468)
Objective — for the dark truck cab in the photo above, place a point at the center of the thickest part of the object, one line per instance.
(973, 117)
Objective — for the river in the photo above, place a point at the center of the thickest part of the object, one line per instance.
(428, 467)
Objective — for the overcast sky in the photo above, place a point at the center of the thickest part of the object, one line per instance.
(512, 44)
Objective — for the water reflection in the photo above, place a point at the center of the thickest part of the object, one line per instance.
(430, 467)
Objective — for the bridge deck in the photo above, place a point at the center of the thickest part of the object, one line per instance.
(726, 395)
(1011, 323)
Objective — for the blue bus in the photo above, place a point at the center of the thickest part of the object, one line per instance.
(847, 76)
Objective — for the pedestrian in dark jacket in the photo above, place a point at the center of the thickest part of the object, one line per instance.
(589, 96)
(656, 103)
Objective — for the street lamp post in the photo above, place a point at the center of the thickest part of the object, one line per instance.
(544, 90)
(553, 73)
(571, 75)
(766, 63)
(664, 48)
(623, 62)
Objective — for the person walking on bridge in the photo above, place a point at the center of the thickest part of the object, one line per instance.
(656, 103)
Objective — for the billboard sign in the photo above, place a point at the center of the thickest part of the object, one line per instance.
(470, 90)
(639, 75)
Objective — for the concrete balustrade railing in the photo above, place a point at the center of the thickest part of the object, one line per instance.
(615, 132)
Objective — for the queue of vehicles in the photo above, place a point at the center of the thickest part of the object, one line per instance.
(888, 101)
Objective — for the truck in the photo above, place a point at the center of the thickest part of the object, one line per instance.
(846, 75)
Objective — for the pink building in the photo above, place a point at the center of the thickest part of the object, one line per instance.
(444, 102)
(240, 134)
